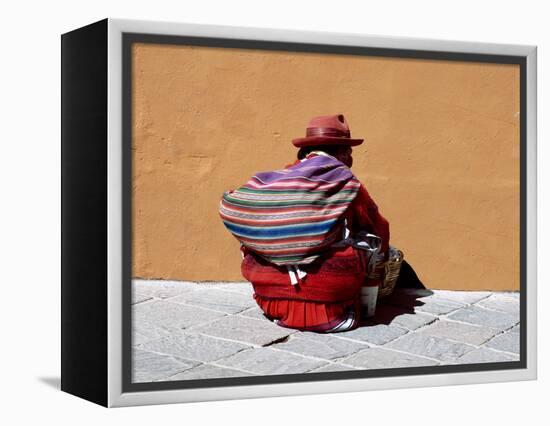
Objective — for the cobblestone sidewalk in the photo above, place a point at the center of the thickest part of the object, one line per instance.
(184, 330)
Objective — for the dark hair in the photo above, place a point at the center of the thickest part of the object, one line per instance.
(333, 150)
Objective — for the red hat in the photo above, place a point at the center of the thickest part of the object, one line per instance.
(327, 130)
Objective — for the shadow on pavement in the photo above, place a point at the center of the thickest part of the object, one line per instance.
(407, 295)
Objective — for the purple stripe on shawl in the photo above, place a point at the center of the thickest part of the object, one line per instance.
(319, 168)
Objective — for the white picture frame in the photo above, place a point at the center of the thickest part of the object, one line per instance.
(112, 389)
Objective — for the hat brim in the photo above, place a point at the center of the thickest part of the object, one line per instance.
(325, 140)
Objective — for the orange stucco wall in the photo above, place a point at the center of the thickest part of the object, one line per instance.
(441, 156)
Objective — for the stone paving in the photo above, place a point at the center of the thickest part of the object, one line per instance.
(185, 330)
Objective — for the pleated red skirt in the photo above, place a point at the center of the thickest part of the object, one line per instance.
(311, 316)
(327, 299)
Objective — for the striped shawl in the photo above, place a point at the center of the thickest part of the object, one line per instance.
(291, 216)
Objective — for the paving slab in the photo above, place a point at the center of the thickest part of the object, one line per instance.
(138, 297)
(510, 294)
(194, 347)
(246, 330)
(320, 346)
(430, 347)
(402, 317)
(229, 302)
(465, 297)
(138, 338)
(267, 361)
(151, 367)
(489, 318)
(465, 333)
(377, 334)
(481, 355)
(238, 287)
(207, 371)
(333, 367)
(162, 289)
(438, 306)
(423, 300)
(171, 316)
(254, 312)
(407, 298)
(185, 331)
(508, 342)
(378, 358)
(144, 331)
(501, 302)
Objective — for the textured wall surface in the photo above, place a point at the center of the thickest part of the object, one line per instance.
(441, 154)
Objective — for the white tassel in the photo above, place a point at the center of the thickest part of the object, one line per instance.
(292, 275)
(301, 274)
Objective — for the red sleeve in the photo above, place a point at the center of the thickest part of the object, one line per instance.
(364, 215)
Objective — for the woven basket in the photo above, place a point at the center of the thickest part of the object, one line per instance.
(388, 272)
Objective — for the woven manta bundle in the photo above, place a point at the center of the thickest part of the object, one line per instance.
(290, 216)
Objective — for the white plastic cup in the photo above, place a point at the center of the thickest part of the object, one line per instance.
(369, 296)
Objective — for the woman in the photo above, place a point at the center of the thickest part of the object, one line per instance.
(311, 279)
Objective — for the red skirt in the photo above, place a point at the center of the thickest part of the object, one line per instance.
(327, 299)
